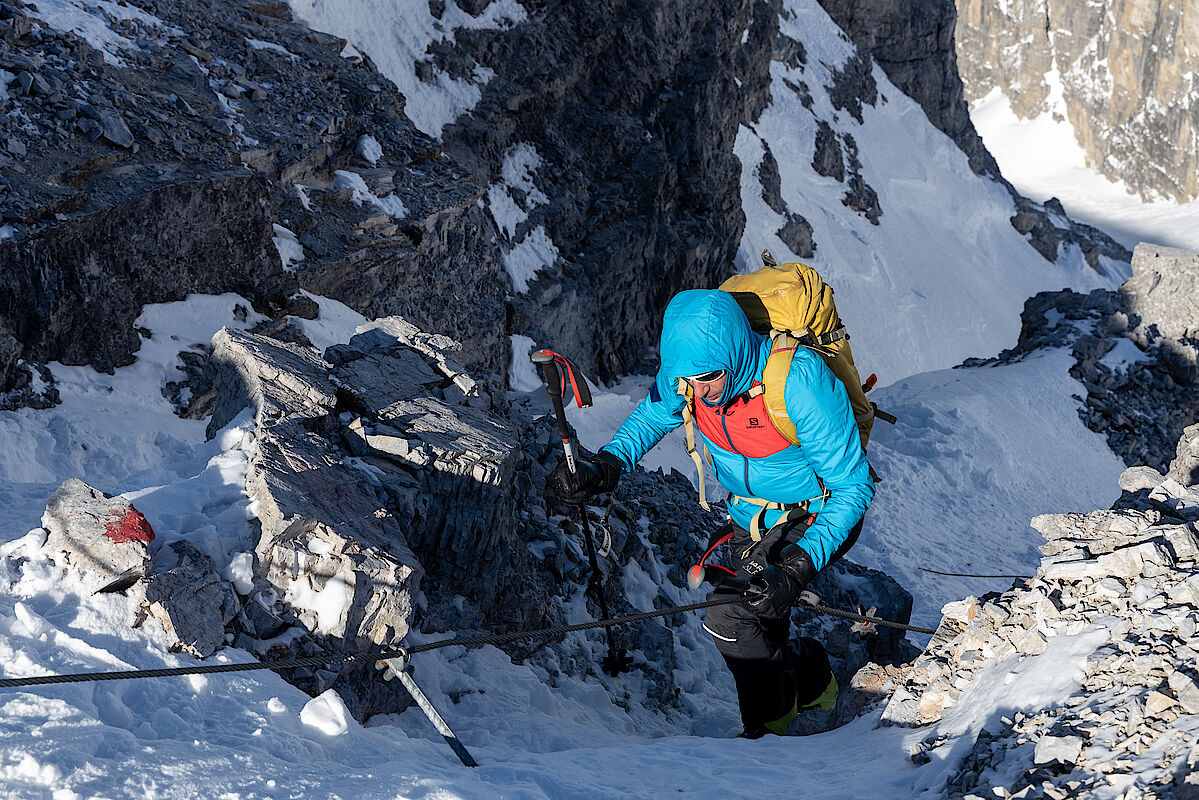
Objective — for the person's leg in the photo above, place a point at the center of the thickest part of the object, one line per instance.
(757, 659)
(773, 677)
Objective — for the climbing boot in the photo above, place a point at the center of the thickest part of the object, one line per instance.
(757, 732)
(779, 726)
(827, 699)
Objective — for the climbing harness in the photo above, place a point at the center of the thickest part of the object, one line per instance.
(554, 365)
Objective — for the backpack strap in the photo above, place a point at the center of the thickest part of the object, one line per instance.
(774, 382)
(689, 443)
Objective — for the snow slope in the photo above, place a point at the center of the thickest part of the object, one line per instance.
(1042, 159)
(943, 276)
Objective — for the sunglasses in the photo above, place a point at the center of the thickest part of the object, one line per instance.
(708, 377)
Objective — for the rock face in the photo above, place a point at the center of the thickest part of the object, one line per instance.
(92, 274)
(1135, 352)
(101, 539)
(1124, 68)
(153, 162)
(1125, 579)
(626, 111)
(913, 41)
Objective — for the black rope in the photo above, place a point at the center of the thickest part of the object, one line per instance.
(394, 652)
(969, 575)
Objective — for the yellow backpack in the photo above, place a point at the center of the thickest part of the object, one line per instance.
(793, 305)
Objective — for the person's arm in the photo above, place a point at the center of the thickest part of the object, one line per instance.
(818, 405)
(654, 417)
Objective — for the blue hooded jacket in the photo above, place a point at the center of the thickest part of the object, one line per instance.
(705, 330)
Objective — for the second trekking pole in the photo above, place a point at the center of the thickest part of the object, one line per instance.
(552, 365)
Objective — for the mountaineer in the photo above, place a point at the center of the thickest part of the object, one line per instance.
(797, 497)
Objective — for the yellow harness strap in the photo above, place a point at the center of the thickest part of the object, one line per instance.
(791, 510)
(689, 444)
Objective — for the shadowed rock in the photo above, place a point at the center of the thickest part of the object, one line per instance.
(191, 601)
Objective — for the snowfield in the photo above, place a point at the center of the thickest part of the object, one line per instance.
(976, 454)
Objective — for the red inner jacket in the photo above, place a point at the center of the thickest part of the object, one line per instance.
(744, 427)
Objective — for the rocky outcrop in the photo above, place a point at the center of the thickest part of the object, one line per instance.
(374, 467)
(1142, 383)
(1124, 580)
(628, 109)
(153, 159)
(92, 274)
(101, 540)
(1124, 68)
(913, 42)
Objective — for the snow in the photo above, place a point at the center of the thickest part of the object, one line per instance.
(534, 253)
(1042, 159)
(1124, 353)
(523, 374)
(396, 34)
(258, 44)
(347, 179)
(80, 17)
(369, 149)
(6, 231)
(335, 322)
(289, 248)
(327, 713)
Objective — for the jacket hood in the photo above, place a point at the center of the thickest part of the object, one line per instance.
(705, 330)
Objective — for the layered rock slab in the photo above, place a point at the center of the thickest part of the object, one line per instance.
(367, 475)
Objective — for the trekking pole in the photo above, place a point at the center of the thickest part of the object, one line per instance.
(552, 364)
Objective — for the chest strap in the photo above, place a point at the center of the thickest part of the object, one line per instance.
(689, 442)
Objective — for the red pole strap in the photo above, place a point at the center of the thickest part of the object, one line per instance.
(577, 382)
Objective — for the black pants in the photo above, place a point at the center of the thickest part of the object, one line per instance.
(771, 674)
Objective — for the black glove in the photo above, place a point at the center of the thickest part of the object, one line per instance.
(773, 591)
(594, 476)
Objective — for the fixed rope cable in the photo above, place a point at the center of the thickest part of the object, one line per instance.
(391, 652)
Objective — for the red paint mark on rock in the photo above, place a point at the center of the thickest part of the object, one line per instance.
(131, 527)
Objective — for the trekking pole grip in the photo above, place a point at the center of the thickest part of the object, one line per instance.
(553, 387)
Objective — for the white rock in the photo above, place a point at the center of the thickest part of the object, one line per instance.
(1186, 691)
(1062, 749)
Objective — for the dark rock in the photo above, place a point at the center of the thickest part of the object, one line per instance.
(114, 129)
(797, 235)
(473, 7)
(768, 175)
(828, 161)
(862, 198)
(632, 81)
(95, 272)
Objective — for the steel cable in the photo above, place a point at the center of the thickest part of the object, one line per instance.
(392, 652)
